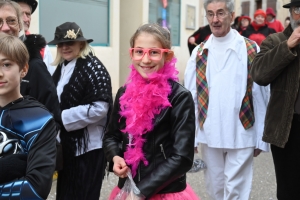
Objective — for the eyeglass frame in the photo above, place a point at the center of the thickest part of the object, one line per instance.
(9, 18)
(296, 7)
(216, 14)
(146, 50)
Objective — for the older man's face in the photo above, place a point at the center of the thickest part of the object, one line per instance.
(26, 15)
(219, 18)
(10, 25)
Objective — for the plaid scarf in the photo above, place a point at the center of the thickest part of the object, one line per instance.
(246, 113)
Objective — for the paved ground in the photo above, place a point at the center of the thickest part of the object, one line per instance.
(263, 187)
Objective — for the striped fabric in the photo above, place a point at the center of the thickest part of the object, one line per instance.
(202, 87)
(246, 113)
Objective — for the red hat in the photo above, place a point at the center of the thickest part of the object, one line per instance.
(245, 17)
(270, 11)
(260, 12)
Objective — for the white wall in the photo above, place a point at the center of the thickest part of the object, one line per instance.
(109, 56)
(125, 17)
(182, 52)
(133, 13)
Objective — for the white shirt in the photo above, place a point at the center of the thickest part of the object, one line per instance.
(48, 59)
(226, 75)
(77, 117)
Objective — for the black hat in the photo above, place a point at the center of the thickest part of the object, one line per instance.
(32, 3)
(293, 3)
(68, 31)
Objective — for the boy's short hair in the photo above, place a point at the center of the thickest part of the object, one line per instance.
(14, 49)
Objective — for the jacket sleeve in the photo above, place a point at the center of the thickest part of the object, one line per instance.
(273, 58)
(81, 116)
(41, 159)
(113, 137)
(38, 84)
(182, 132)
(195, 35)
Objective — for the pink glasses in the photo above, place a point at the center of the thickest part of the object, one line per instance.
(153, 53)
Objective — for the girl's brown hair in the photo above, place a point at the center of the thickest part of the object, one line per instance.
(160, 33)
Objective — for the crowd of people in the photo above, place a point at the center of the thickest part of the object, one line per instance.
(240, 98)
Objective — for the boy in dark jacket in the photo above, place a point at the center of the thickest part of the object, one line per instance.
(28, 132)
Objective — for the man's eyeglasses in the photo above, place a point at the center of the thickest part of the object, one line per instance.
(11, 21)
(296, 10)
(70, 43)
(219, 15)
(153, 54)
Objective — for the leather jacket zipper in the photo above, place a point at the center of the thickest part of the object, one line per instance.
(139, 171)
(162, 150)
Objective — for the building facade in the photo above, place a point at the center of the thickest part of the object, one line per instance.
(111, 23)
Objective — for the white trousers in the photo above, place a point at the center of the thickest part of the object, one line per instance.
(229, 172)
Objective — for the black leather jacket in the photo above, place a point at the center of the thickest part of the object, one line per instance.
(169, 147)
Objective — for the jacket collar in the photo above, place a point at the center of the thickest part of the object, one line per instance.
(288, 31)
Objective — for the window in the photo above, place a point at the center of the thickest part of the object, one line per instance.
(167, 14)
(91, 15)
(246, 8)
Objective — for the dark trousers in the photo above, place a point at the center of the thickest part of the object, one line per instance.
(287, 164)
(90, 170)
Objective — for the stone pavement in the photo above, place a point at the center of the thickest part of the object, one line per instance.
(263, 186)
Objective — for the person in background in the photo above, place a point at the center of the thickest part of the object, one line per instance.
(287, 22)
(38, 82)
(28, 173)
(244, 22)
(278, 64)
(28, 7)
(258, 30)
(84, 90)
(229, 107)
(152, 129)
(199, 36)
(272, 22)
(235, 24)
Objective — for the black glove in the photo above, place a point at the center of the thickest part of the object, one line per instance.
(12, 167)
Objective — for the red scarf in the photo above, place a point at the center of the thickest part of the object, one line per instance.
(257, 26)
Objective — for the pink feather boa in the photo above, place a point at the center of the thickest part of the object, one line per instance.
(141, 102)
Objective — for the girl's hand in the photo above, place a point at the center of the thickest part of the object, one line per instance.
(120, 168)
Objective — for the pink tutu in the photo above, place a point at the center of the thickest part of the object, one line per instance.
(187, 194)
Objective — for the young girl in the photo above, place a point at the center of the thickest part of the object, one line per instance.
(153, 121)
(27, 175)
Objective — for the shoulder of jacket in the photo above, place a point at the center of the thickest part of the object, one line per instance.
(276, 38)
(35, 120)
(177, 89)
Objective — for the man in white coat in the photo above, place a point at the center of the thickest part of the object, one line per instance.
(229, 107)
